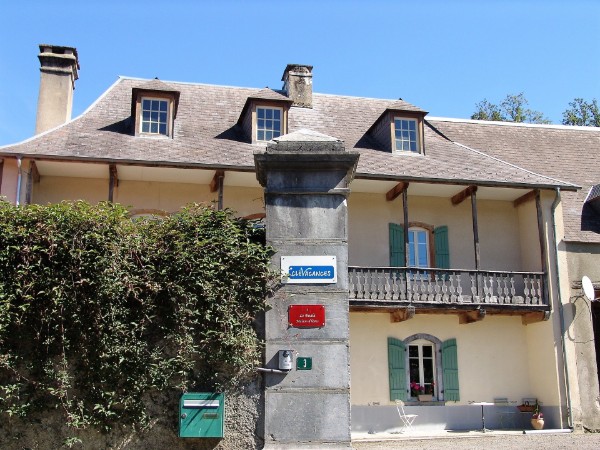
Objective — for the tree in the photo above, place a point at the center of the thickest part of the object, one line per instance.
(582, 113)
(512, 109)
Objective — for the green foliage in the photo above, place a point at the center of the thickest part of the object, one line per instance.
(97, 310)
(512, 109)
(582, 113)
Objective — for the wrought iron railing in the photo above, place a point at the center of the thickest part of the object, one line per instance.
(441, 286)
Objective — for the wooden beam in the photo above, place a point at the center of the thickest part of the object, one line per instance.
(524, 198)
(462, 195)
(406, 226)
(400, 315)
(471, 316)
(113, 181)
(475, 235)
(1, 172)
(35, 174)
(542, 238)
(214, 184)
(393, 193)
(533, 317)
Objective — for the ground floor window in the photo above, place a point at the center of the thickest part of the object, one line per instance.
(423, 364)
(421, 368)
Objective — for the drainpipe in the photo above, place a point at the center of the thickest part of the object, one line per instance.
(19, 177)
(560, 310)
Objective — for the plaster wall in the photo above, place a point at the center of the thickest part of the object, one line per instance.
(146, 195)
(494, 356)
(499, 229)
(10, 172)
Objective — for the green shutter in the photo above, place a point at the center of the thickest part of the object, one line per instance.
(397, 245)
(442, 249)
(397, 369)
(450, 370)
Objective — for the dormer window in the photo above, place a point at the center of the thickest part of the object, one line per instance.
(154, 109)
(406, 135)
(268, 123)
(155, 116)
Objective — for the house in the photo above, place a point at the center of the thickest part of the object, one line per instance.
(460, 244)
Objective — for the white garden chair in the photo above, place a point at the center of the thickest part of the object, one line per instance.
(406, 419)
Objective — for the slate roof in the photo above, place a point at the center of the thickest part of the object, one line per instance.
(207, 134)
(569, 153)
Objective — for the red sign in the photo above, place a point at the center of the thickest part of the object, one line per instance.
(307, 316)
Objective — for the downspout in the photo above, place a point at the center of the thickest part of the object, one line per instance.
(560, 310)
(19, 177)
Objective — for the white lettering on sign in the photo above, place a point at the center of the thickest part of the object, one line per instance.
(309, 269)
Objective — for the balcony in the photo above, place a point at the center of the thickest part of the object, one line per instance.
(473, 293)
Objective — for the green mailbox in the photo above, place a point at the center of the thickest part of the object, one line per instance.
(201, 415)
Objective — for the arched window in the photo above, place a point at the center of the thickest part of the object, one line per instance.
(423, 360)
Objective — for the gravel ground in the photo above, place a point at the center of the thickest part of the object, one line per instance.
(579, 441)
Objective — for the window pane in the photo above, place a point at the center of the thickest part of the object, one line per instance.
(412, 125)
(163, 117)
(155, 105)
(146, 104)
(260, 135)
(427, 351)
(261, 124)
(145, 127)
(269, 113)
(260, 112)
(268, 135)
(413, 351)
(422, 237)
(153, 128)
(276, 133)
(276, 114)
(154, 116)
(146, 115)
(163, 128)
(428, 370)
(163, 106)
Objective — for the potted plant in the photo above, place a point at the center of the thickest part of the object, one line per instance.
(537, 419)
(423, 393)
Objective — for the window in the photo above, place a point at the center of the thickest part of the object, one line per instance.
(155, 114)
(406, 135)
(421, 367)
(268, 123)
(427, 361)
(418, 247)
(421, 239)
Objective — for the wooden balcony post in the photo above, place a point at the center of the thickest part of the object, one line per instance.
(406, 224)
(113, 181)
(540, 221)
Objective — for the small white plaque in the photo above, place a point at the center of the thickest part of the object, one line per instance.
(309, 269)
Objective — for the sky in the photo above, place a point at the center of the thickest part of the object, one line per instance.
(443, 56)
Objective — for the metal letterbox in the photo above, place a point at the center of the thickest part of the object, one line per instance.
(201, 415)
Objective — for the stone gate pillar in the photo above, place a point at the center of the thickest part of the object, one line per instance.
(306, 177)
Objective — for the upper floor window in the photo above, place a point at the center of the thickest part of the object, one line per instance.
(406, 135)
(268, 123)
(155, 116)
(418, 247)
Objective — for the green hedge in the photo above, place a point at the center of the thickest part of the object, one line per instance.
(97, 310)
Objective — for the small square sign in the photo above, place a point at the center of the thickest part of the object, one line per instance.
(303, 363)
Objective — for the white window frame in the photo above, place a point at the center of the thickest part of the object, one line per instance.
(420, 344)
(413, 247)
(405, 141)
(267, 130)
(158, 121)
(426, 339)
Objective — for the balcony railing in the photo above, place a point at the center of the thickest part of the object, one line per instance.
(446, 286)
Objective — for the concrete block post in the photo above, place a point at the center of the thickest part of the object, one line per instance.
(306, 178)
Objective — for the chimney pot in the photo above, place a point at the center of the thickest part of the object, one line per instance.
(297, 84)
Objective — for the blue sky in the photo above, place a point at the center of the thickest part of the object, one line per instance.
(443, 56)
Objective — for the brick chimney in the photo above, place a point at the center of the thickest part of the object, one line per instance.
(58, 72)
(297, 84)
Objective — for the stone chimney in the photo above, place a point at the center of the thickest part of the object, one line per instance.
(58, 72)
(297, 84)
